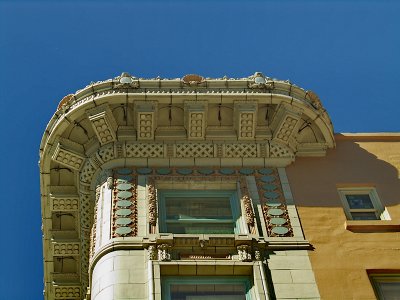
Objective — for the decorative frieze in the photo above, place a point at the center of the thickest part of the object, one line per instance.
(277, 150)
(241, 150)
(194, 150)
(65, 249)
(103, 123)
(276, 217)
(125, 219)
(93, 232)
(144, 150)
(86, 175)
(152, 205)
(107, 153)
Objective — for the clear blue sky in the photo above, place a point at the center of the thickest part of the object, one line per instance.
(348, 52)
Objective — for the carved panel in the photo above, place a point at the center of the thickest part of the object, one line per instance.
(196, 126)
(67, 158)
(152, 204)
(67, 292)
(65, 249)
(245, 120)
(87, 172)
(287, 128)
(195, 120)
(124, 216)
(64, 203)
(277, 150)
(273, 203)
(145, 150)
(241, 150)
(194, 150)
(106, 153)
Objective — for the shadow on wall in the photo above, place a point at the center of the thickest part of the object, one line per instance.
(356, 161)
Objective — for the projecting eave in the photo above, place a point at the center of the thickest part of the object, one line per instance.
(271, 102)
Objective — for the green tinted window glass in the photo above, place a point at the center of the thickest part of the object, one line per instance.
(208, 291)
(364, 216)
(207, 288)
(198, 211)
(362, 201)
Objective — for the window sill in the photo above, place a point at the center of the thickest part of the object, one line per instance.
(372, 226)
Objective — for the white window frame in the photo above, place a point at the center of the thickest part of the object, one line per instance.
(233, 196)
(378, 208)
(167, 281)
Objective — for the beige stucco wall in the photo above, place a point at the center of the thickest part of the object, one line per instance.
(341, 257)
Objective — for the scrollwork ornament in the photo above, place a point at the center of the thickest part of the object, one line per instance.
(164, 252)
(248, 210)
(152, 205)
(152, 252)
(257, 255)
(244, 252)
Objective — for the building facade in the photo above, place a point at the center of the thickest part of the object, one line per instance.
(198, 188)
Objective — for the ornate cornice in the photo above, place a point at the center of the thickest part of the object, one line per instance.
(194, 121)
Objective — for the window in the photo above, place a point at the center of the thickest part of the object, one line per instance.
(199, 211)
(361, 204)
(207, 288)
(386, 286)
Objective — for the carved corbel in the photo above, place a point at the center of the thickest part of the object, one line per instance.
(66, 153)
(245, 119)
(103, 123)
(285, 124)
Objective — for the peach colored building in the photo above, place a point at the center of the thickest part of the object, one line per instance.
(353, 249)
(215, 188)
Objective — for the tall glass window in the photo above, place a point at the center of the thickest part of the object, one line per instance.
(197, 211)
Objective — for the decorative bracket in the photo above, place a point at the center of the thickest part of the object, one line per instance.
(103, 123)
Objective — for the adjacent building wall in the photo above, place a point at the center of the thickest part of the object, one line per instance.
(341, 257)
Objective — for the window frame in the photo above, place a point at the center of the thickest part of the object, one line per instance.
(377, 278)
(378, 208)
(233, 196)
(166, 282)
